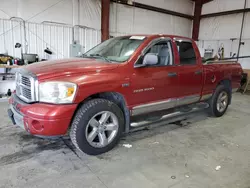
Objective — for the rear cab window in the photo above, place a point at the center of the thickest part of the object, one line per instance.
(186, 52)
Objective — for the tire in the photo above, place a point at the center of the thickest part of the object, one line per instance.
(89, 124)
(215, 110)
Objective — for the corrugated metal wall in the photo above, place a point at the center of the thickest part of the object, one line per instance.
(131, 20)
(87, 37)
(10, 33)
(55, 37)
(46, 35)
(225, 30)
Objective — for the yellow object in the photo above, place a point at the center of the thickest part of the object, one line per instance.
(4, 59)
(70, 91)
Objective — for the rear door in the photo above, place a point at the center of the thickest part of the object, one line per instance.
(190, 72)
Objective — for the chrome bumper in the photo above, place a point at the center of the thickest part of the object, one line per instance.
(16, 117)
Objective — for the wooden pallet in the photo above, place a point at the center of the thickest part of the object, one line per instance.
(246, 86)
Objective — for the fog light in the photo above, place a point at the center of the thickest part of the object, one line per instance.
(37, 125)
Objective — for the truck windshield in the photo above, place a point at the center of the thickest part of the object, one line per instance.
(118, 49)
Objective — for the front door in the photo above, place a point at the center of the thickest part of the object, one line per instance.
(154, 87)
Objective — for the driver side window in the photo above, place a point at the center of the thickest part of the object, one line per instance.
(163, 51)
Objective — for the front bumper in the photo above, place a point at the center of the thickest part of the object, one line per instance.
(41, 119)
(16, 118)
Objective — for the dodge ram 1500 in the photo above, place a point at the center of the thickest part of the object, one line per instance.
(97, 97)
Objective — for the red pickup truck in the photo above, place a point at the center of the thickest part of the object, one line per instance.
(98, 96)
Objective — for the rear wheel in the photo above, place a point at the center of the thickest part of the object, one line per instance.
(219, 102)
(97, 126)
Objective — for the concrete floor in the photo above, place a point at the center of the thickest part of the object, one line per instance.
(167, 156)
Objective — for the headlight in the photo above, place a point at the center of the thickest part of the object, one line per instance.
(57, 92)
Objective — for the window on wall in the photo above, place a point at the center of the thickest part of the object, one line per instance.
(163, 51)
(186, 53)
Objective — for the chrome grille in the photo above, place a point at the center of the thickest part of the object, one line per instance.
(25, 87)
(26, 93)
(25, 81)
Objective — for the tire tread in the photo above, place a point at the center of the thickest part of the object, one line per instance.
(212, 110)
(83, 111)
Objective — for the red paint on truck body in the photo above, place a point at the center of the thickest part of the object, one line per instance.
(94, 77)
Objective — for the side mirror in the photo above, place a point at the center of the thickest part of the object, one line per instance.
(150, 59)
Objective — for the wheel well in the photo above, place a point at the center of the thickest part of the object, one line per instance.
(119, 100)
(227, 83)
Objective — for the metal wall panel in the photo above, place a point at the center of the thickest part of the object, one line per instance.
(56, 37)
(11, 32)
(87, 37)
(131, 20)
(218, 31)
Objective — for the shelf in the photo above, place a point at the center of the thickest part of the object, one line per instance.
(5, 99)
(9, 66)
(4, 81)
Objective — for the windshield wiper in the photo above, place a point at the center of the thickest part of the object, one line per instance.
(99, 55)
(83, 55)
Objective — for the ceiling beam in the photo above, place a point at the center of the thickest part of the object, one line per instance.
(206, 1)
(152, 8)
(225, 13)
(105, 11)
(197, 19)
(203, 1)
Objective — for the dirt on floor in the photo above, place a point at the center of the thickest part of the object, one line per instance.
(199, 152)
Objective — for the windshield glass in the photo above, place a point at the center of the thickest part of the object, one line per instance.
(117, 49)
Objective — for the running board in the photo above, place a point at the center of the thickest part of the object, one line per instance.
(171, 117)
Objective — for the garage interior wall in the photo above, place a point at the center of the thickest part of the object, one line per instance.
(131, 20)
(49, 23)
(219, 31)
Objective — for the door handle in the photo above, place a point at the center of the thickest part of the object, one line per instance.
(213, 78)
(172, 74)
(198, 72)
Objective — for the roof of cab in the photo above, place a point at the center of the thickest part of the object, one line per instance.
(161, 35)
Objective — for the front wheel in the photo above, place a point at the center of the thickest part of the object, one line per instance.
(219, 102)
(97, 126)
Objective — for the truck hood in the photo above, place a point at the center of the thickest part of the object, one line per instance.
(67, 67)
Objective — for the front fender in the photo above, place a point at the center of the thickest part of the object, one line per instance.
(98, 83)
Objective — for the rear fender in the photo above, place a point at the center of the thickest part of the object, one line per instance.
(228, 84)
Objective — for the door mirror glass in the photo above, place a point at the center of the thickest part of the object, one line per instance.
(159, 53)
(150, 59)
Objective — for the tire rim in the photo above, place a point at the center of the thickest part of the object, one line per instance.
(222, 101)
(102, 128)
